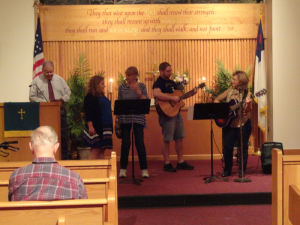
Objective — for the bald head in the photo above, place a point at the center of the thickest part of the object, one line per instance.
(48, 69)
(44, 142)
(47, 63)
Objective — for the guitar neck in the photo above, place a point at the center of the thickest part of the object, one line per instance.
(235, 106)
(190, 93)
(186, 95)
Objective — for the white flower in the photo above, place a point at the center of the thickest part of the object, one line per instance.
(186, 80)
(184, 75)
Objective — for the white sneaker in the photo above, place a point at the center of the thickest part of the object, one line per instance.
(145, 174)
(122, 173)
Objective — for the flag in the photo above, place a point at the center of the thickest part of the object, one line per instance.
(260, 80)
(38, 55)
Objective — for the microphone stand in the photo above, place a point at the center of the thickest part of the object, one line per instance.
(242, 179)
(39, 90)
(5, 145)
(133, 179)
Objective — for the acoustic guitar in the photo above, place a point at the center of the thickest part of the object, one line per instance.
(234, 105)
(169, 108)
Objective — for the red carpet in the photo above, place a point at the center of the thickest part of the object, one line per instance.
(214, 215)
(171, 187)
(191, 182)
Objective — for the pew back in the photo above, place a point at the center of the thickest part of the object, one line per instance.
(67, 212)
(294, 204)
(285, 172)
(99, 177)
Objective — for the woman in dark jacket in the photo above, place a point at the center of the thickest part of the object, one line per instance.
(98, 115)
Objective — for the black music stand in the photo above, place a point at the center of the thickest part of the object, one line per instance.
(205, 111)
(127, 107)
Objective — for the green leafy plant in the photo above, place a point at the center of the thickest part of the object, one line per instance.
(100, 73)
(223, 78)
(75, 107)
(121, 79)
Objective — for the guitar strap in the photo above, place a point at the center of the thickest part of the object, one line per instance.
(245, 94)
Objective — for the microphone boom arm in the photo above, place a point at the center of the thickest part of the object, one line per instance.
(5, 145)
(39, 90)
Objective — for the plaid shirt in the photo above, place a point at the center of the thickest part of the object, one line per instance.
(45, 180)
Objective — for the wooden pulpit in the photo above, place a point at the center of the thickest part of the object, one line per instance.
(49, 116)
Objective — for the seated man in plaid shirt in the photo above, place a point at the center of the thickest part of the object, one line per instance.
(45, 179)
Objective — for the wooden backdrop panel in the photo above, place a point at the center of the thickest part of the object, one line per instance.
(150, 22)
(198, 56)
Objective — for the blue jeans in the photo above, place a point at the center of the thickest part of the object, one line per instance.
(230, 136)
(138, 131)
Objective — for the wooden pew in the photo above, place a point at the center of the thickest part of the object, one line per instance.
(285, 172)
(64, 212)
(99, 177)
(294, 204)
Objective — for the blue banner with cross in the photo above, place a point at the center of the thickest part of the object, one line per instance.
(21, 118)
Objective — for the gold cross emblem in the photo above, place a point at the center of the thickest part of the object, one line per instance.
(155, 71)
(21, 112)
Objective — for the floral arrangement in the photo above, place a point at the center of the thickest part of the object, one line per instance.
(181, 80)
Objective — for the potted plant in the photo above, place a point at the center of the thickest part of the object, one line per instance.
(75, 107)
(223, 78)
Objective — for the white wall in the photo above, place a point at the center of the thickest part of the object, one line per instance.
(286, 76)
(16, 49)
(269, 68)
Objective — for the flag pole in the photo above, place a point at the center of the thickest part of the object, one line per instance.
(260, 10)
(36, 6)
(38, 55)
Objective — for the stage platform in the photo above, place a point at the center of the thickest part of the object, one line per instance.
(187, 188)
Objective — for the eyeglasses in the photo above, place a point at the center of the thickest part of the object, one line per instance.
(48, 73)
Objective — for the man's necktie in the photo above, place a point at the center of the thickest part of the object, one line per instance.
(50, 89)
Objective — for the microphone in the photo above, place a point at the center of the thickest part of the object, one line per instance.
(39, 90)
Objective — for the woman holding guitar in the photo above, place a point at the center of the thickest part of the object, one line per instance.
(231, 132)
(172, 126)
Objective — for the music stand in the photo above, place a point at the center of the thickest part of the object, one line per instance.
(127, 107)
(205, 111)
